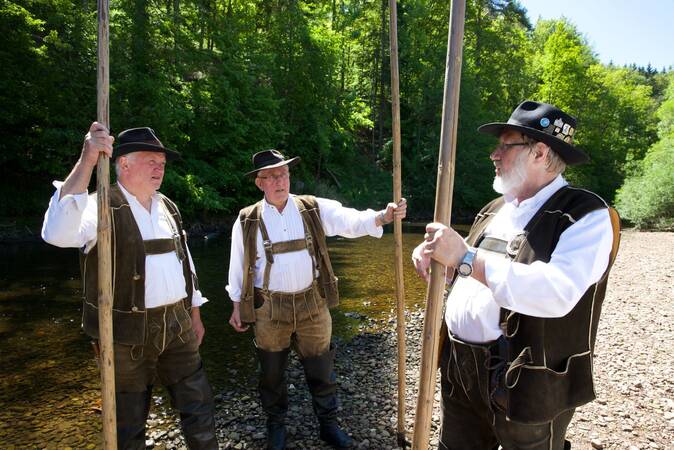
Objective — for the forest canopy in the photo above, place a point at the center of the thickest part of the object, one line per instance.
(221, 79)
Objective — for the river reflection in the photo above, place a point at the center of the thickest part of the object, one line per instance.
(49, 378)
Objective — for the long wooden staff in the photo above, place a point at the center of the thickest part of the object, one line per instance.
(397, 225)
(443, 209)
(107, 360)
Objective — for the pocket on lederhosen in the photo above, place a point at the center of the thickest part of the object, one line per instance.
(182, 324)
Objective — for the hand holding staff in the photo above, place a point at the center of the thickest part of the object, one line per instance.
(443, 208)
(104, 242)
(397, 227)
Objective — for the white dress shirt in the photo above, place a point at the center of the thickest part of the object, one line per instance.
(294, 271)
(72, 220)
(539, 289)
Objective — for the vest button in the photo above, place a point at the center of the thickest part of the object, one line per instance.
(136, 277)
(134, 309)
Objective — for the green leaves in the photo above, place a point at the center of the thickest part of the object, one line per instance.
(646, 199)
(221, 79)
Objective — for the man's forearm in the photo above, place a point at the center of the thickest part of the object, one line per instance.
(78, 180)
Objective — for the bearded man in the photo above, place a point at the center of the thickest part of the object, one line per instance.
(529, 282)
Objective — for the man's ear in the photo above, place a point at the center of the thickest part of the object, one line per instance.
(123, 162)
(540, 151)
(258, 183)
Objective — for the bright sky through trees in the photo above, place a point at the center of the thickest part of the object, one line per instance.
(622, 31)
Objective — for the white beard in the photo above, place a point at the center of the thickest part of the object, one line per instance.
(509, 183)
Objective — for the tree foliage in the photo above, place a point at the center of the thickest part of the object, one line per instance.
(647, 197)
(221, 79)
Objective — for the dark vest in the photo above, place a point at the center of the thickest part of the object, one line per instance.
(549, 360)
(250, 222)
(128, 273)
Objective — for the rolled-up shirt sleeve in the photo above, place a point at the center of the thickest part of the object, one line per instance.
(552, 289)
(235, 280)
(347, 222)
(70, 221)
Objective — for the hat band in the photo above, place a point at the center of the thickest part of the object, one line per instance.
(557, 129)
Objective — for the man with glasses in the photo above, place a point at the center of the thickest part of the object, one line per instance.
(528, 285)
(281, 281)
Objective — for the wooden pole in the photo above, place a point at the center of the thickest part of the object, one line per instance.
(397, 225)
(107, 360)
(443, 209)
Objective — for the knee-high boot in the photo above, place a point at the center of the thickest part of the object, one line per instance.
(321, 379)
(193, 398)
(132, 411)
(274, 395)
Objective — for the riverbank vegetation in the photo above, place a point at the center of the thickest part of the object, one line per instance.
(221, 79)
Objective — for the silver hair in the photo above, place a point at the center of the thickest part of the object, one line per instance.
(128, 156)
(553, 162)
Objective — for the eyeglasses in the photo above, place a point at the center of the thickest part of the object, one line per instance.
(281, 177)
(506, 147)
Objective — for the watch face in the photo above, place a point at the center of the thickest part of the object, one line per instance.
(465, 269)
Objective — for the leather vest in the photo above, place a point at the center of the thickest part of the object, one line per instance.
(251, 218)
(128, 271)
(549, 360)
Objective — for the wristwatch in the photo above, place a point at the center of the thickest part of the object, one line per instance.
(465, 268)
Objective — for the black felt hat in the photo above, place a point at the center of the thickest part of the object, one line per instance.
(141, 139)
(270, 159)
(545, 123)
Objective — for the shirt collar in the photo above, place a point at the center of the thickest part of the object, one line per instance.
(267, 205)
(132, 198)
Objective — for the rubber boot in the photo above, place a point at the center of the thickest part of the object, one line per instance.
(274, 395)
(193, 398)
(132, 411)
(320, 374)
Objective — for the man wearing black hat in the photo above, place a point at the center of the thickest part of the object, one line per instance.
(157, 326)
(529, 281)
(281, 282)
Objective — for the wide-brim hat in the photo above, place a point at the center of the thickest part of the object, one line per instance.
(141, 139)
(545, 123)
(270, 159)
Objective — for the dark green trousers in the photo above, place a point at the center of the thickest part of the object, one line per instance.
(470, 418)
(170, 355)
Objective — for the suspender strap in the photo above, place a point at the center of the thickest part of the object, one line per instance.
(159, 246)
(322, 252)
(275, 248)
(269, 255)
(493, 245)
(308, 238)
(288, 246)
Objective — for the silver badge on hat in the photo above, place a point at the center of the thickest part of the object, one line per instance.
(545, 122)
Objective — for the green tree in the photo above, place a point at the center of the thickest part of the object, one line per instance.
(646, 199)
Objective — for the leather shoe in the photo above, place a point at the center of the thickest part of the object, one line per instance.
(276, 436)
(334, 436)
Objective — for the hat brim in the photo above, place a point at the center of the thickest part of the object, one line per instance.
(570, 154)
(131, 147)
(289, 162)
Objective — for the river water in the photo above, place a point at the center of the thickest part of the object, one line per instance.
(49, 381)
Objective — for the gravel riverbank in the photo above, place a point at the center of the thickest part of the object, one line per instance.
(634, 372)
